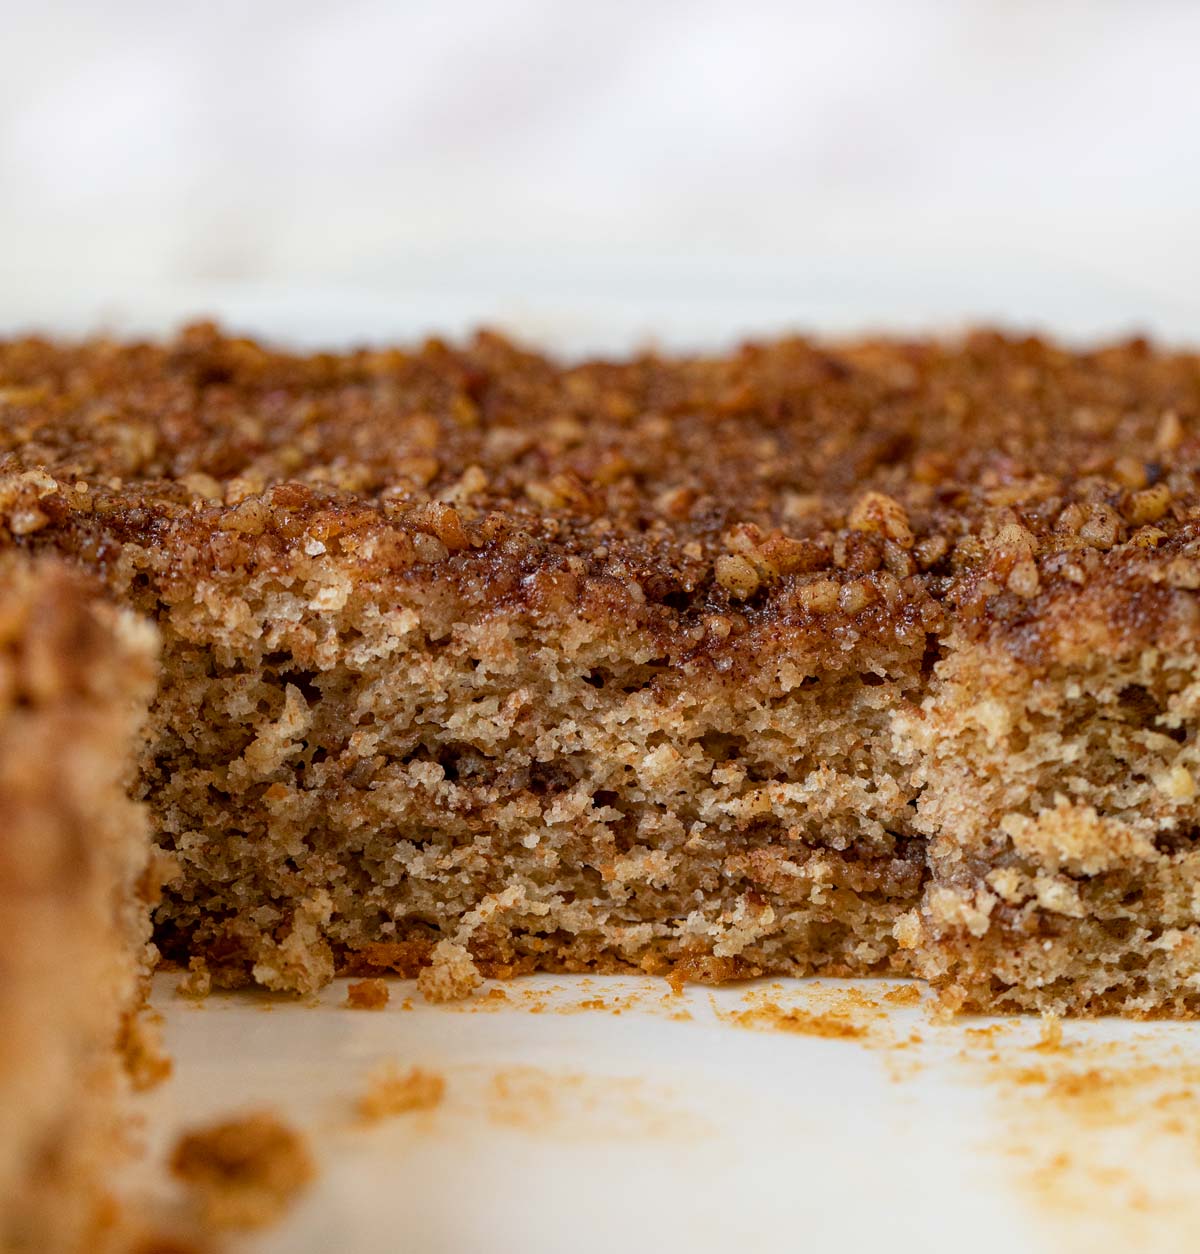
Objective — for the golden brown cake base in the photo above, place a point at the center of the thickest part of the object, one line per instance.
(853, 659)
(74, 680)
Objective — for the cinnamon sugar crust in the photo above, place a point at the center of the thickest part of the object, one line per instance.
(968, 458)
(807, 657)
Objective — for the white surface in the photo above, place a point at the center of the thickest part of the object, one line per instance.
(695, 1135)
(645, 1132)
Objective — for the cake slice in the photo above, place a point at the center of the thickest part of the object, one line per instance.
(864, 658)
(74, 922)
(473, 663)
(1059, 755)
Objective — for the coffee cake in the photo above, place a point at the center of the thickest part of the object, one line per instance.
(74, 926)
(855, 659)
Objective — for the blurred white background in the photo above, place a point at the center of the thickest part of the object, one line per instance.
(904, 164)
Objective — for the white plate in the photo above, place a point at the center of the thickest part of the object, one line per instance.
(674, 1126)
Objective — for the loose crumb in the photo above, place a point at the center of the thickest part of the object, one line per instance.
(903, 995)
(198, 981)
(244, 1172)
(774, 1017)
(1052, 1034)
(833, 1012)
(392, 1092)
(451, 975)
(141, 1047)
(709, 969)
(367, 995)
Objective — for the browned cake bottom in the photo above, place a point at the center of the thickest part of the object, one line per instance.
(73, 920)
(853, 659)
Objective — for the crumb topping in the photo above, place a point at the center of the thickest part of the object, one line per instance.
(797, 487)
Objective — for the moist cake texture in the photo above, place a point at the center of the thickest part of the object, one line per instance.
(74, 926)
(858, 658)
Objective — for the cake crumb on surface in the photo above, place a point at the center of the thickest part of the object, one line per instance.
(903, 995)
(451, 975)
(771, 1015)
(391, 1091)
(140, 1043)
(197, 983)
(369, 994)
(573, 1104)
(1051, 1038)
(246, 1171)
(831, 1011)
(1098, 1131)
